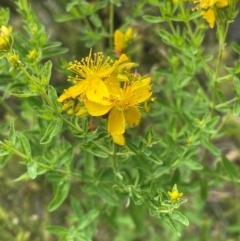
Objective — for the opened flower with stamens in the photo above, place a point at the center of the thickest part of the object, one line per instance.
(122, 104)
(208, 9)
(90, 73)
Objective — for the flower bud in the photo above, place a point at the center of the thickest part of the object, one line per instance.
(13, 59)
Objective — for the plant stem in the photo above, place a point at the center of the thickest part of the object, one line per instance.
(111, 24)
(48, 100)
(114, 161)
(222, 33)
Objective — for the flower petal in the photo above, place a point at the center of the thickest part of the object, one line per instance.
(132, 116)
(113, 86)
(138, 92)
(221, 3)
(96, 109)
(116, 121)
(209, 15)
(97, 91)
(119, 139)
(74, 91)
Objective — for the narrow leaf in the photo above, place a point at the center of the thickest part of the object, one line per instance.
(53, 96)
(214, 150)
(61, 194)
(88, 218)
(52, 130)
(179, 217)
(153, 19)
(77, 208)
(58, 230)
(193, 165)
(4, 160)
(229, 167)
(32, 169)
(26, 148)
(65, 156)
(12, 133)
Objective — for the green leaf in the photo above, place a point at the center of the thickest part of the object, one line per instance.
(53, 129)
(45, 73)
(26, 148)
(32, 169)
(208, 145)
(204, 188)
(25, 94)
(96, 20)
(153, 19)
(88, 218)
(132, 147)
(166, 37)
(229, 167)
(53, 96)
(66, 156)
(54, 176)
(51, 45)
(236, 48)
(138, 214)
(12, 133)
(179, 217)
(3, 160)
(195, 14)
(168, 220)
(153, 189)
(136, 196)
(105, 194)
(236, 108)
(193, 165)
(60, 195)
(95, 151)
(78, 211)
(54, 52)
(4, 16)
(154, 159)
(58, 230)
(44, 112)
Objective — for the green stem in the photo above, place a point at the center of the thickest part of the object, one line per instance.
(111, 24)
(12, 150)
(186, 21)
(48, 100)
(222, 33)
(114, 161)
(24, 157)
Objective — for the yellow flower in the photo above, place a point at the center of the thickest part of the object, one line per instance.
(122, 104)
(175, 195)
(32, 54)
(13, 59)
(5, 38)
(122, 40)
(90, 73)
(119, 43)
(208, 9)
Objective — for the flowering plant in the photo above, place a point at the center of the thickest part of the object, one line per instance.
(143, 136)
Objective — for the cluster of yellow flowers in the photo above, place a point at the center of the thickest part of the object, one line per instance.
(107, 88)
(208, 9)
